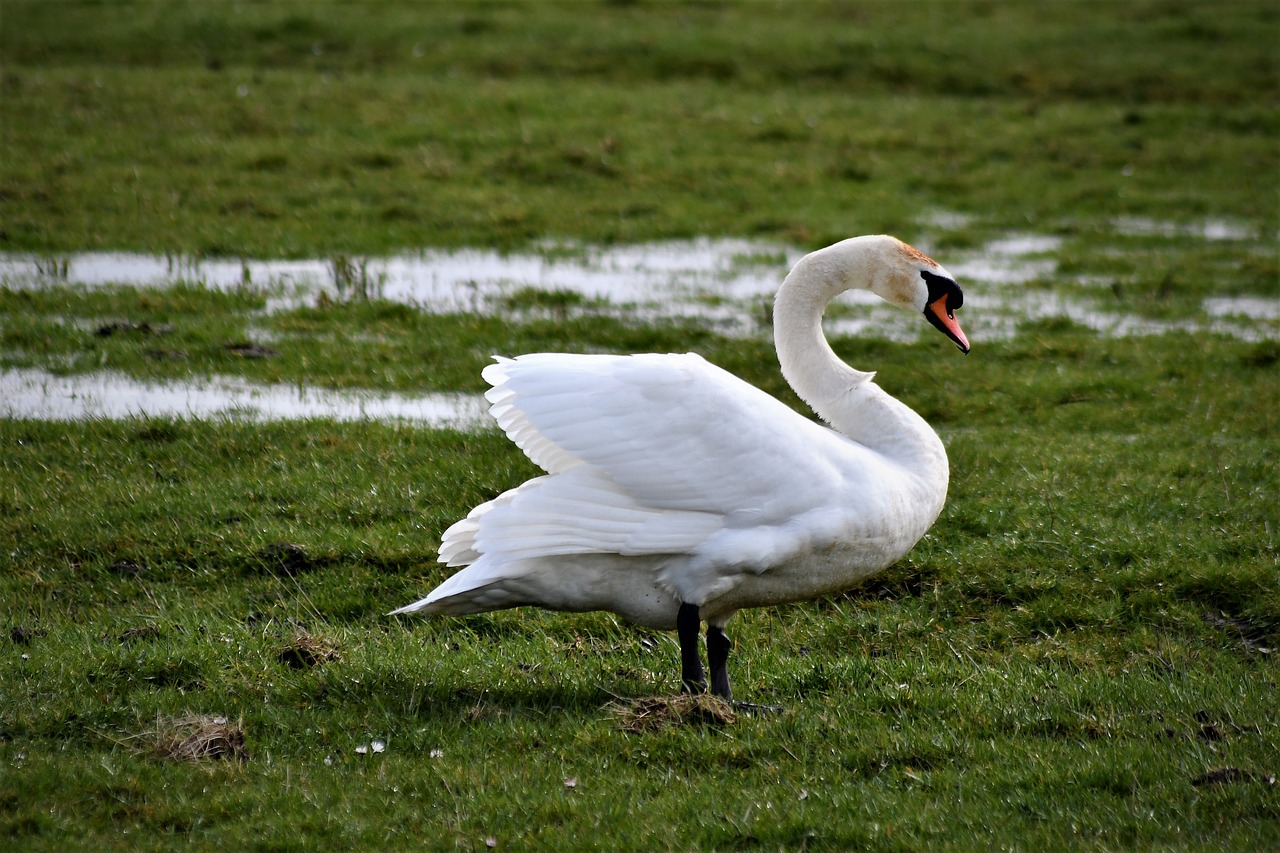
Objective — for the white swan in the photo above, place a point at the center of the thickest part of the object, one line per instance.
(675, 492)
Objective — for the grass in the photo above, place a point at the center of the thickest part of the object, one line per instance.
(270, 130)
(1073, 646)
(1079, 655)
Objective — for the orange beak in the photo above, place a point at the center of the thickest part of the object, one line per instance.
(945, 319)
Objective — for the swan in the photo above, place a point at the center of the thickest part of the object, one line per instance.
(676, 493)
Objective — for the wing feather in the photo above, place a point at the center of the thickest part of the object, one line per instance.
(647, 455)
(662, 458)
(661, 428)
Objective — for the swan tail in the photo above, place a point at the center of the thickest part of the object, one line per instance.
(629, 586)
(475, 589)
(547, 528)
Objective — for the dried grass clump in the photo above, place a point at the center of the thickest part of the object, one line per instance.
(653, 713)
(199, 737)
(305, 651)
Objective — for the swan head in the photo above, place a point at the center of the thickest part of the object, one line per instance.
(900, 274)
(908, 278)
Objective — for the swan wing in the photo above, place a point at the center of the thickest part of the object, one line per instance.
(670, 433)
(663, 456)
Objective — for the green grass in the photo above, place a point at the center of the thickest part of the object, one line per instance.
(276, 130)
(1071, 657)
(1072, 646)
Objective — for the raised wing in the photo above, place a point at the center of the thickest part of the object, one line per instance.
(673, 432)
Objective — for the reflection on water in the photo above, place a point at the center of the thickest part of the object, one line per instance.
(722, 280)
(453, 280)
(725, 284)
(39, 395)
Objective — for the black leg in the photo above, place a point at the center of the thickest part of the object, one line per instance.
(718, 645)
(688, 621)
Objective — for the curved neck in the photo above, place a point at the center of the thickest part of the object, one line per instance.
(808, 363)
(845, 398)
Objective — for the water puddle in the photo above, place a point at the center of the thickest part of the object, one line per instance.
(1256, 307)
(29, 394)
(725, 284)
(1209, 229)
(677, 274)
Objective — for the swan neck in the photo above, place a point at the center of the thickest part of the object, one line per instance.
(808, 363)
(846, 398)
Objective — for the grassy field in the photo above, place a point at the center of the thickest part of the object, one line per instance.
(281, 129)
(1079, 655)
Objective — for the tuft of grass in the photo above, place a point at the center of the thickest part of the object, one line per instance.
(655, 713)
(353, 280)
(305, 650)
(199, 738)
(191, 738)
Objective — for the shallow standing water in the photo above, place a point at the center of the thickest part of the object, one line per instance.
(40, 395)
(724, 283)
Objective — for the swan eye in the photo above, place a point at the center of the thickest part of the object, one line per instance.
(940, 286)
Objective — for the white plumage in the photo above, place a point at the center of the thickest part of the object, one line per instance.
(670, 482)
